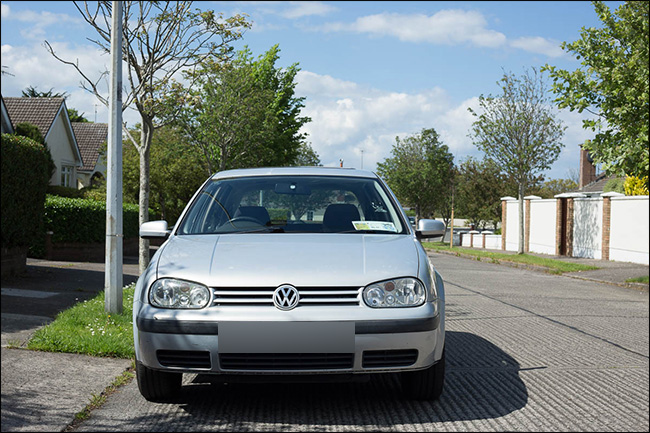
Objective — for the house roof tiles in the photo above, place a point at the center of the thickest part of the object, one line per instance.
(37, 111)
(90, 137)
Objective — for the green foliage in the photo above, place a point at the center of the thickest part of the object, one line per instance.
(30, 131)
(617, 185)
(636, 186)
(480, 186)
(612, 83)
(26, 170)
(84, 220)
(420, 172)
(518, 129)
(244, 113)
(553, 187)
(177, 170)
(74, 116)
(64, 191)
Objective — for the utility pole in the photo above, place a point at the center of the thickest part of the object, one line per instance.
(113, 279)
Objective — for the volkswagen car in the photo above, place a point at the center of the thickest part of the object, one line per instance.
(280, 273)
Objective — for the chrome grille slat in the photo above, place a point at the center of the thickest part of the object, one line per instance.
(264, 296)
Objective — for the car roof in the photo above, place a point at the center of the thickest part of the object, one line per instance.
(295, 171)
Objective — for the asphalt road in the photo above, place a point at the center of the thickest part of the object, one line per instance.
(526, 351)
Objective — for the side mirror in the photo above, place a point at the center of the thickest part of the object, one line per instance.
(154, 230)
(430, 229)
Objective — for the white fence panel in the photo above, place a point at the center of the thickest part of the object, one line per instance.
(587, 228)
(542, 226)
(512, 225)
(629, 229)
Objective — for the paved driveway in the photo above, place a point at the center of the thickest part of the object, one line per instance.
(526, 351)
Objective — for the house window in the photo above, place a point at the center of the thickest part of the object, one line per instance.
(66, 176)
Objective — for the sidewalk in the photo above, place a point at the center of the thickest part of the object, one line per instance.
(43, 391)
(610, 272)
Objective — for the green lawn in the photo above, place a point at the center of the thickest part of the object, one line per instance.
(87, 329)
(553, 265)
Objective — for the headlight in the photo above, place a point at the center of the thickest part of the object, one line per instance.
(171, 293)
(400, 292)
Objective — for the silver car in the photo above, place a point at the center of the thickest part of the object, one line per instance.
(287, 272)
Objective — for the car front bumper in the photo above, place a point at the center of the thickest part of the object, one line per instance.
(268, 341)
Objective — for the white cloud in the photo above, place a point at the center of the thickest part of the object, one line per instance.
(348, 119)
(303, 9)
(37, 23)
(447, 27)
(539, 45)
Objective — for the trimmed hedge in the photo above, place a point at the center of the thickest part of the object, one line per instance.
(26, 170)
(84, 220)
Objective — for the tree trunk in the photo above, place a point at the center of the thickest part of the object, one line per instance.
(520, 248)
(145, 143)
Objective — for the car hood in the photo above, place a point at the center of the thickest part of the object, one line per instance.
(272, 259)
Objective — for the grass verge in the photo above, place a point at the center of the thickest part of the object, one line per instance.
(87, 329)
(553, 265)
(644, 279)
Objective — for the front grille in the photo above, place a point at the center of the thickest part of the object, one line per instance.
(184, 358)
(263, 296)
(389, 358)
(286, 361)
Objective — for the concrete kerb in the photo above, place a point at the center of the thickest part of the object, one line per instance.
(613, 273)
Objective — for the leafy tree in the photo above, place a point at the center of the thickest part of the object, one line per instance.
(419, 172)
(307, 156)
(177, 171)
(31, 131)
(612, 84)
(159, 39)
(31, 92)
(244, 113)
(553, 187)
(519, 132)
(480, 186)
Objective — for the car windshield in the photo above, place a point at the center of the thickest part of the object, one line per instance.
(292, 204)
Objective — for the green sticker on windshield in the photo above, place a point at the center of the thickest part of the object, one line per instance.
(374, 225)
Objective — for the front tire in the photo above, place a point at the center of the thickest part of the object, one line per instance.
(424, 384)
(158, 386)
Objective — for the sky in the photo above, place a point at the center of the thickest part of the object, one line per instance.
(370, 71)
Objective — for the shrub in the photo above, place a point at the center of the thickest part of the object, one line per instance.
(26, 170)
(636, 186)
(615, 184)
(84, 220)
(29, 130)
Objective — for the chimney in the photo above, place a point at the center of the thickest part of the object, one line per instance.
(587, 169)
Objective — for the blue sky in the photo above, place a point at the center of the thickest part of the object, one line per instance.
(370, 71)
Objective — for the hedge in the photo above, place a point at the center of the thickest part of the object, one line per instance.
(26, 170)
(84, 220)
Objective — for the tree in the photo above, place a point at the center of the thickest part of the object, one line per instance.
(159, 40)
(244, 113)
(177, 171)
(479, 189)
(552, 187)
(612, 84)
(419, 172)
(519, 132)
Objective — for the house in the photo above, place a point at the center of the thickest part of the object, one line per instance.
(590, 182)
(50, 116)
(90, 138)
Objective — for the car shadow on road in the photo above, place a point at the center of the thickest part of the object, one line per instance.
(482, 382)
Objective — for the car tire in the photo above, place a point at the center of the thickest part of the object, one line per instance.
(424, 384)
(158, 386)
